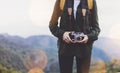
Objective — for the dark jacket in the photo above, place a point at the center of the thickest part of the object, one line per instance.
(91, 27)
(83, 3)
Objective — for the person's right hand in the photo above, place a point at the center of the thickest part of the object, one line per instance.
(66, 37)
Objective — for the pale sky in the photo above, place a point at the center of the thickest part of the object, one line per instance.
(31, 17)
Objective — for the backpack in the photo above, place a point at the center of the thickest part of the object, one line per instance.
(89, 2)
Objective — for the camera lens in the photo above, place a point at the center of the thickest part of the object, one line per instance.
(78, 38)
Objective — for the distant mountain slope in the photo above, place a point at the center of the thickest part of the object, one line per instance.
(110, 46)
(104, 48)
(11, 60)
(42, 41)
(99, 54)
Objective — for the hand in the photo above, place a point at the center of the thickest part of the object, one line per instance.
(66, 37)
(85, 39)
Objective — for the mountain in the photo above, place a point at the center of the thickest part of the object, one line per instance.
(11, 60)
(99, 54)
(110, 46)
(18, 47)
(42, 41)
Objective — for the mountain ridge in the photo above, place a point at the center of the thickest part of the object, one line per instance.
(22, 47)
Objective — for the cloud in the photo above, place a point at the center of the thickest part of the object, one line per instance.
(33, 16)
(109, 15)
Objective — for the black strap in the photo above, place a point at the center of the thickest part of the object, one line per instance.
(84, 22)
(70, 20)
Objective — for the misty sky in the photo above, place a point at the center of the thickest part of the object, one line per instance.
(31, 17)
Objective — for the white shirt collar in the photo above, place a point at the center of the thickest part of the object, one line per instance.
(76, 3)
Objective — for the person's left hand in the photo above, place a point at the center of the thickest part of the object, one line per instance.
(85, 39)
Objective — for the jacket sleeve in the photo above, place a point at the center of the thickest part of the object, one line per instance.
(53, 24)
(93, 35)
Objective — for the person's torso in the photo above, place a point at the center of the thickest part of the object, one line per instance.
(77, 22)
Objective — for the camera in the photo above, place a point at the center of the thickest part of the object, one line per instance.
(76, 36)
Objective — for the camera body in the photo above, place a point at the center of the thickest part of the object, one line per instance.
(76, 36)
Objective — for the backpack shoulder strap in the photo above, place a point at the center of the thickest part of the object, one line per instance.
(90, 4)
(62, 3)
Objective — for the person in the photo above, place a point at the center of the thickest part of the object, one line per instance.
(73, 21)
